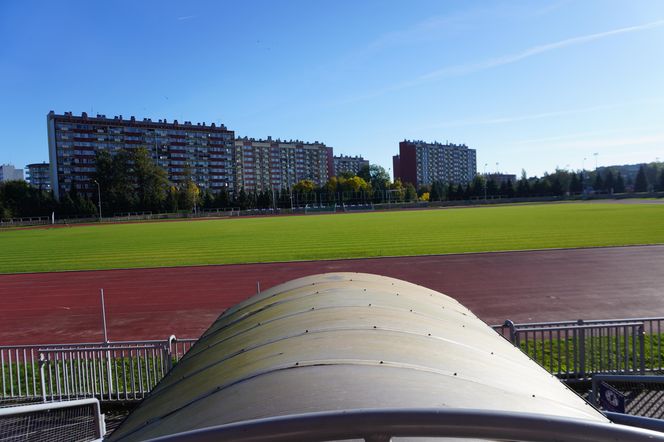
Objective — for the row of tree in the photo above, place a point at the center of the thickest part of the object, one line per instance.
(131, 181)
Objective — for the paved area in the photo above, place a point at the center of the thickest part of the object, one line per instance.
(154, 303)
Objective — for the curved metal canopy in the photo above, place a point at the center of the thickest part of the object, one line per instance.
(342, 341)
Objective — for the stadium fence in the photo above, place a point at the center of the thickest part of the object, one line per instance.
(108, 371)
(576, 350)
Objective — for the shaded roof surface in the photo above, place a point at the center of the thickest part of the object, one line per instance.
(346, 341)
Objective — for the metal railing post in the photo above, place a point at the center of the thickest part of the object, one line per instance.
(581, 336)
(593, 391)
(642, 348)
(171, 340)
(42, 363)
(510, 325)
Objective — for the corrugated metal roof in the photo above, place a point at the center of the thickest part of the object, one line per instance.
(346, 341)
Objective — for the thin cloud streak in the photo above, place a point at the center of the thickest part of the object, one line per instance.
(518, 118)
(186, 17)
(535, 50)
(465, 69)
(542, 115)
(578, 135)
(597, 144)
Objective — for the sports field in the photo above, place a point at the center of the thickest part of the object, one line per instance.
(314, 237)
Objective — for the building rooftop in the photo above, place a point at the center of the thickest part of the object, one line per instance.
(132, 119)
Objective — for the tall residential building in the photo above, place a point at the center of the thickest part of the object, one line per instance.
(204, 151)
(421, 163)
(275, 164)
(9, 173)
(350, 164)
(39, 175)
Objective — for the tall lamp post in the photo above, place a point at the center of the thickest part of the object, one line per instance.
(485, 164)
(99, 197)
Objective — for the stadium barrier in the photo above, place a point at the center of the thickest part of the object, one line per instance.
(79, 420)
(320, 209)
(108, 371)
(28, 221)
(358, 207)
(576, 350)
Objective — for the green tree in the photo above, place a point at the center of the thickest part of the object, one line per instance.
(523, 185)
(332, 185)
(151, 180)
(641, 183)
(19, 199)
(189, 195)
(620, 183)
(221, 199)
(375, 175)
(467, 192)
(477, 186)
(557, 187)
(85, 207)
(435, 194)
(660, 186)
(356, 184)
(575, 186)
(411, 193)
(609, 181)
(304, 186)
(598, 185)
(491, 188)
(397, 191)
(207, 199)
(510, 188)
(242, 200)
(117, 184)
(173, 199)
(5, 213)
(451, 193)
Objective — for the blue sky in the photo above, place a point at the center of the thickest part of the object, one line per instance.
(531, 85)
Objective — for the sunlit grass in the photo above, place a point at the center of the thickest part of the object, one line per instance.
(311, 237)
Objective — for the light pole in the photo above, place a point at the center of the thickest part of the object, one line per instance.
(485, 164)
(595, 154)
(99, 197)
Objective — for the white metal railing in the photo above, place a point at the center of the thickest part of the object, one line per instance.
(109, 371)
(579, 349)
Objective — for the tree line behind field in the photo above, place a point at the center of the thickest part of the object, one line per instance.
(131, 181)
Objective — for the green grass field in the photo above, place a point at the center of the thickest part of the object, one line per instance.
(311, 237)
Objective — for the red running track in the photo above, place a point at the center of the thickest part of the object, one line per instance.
(154, 303)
